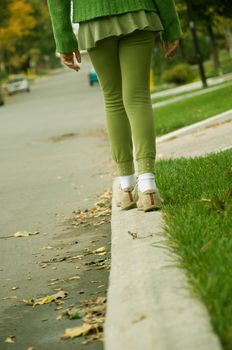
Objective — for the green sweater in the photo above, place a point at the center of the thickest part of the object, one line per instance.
(60, 12)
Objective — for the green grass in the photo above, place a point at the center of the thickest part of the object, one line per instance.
(186, 112)
(198, 215)
(164, 98)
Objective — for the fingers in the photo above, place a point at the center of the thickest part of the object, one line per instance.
(78, 56)
(170, 48)
(68, 60)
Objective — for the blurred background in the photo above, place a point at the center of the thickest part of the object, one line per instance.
(27, 45)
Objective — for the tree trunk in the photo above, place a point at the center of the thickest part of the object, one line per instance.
(215, 52)
(228, 35)
(182, 50)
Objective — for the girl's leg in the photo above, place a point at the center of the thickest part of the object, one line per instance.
(105, 59)
(135, 53)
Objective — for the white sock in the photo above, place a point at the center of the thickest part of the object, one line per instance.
(127, 181)
(146, 181)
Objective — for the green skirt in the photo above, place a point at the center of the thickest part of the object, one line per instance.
(91, 31)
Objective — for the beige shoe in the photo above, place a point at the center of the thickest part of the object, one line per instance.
(149, 200)
(126, 198)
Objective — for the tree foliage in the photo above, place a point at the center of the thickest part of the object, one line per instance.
(25, 33)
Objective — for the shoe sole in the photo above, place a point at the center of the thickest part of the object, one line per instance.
(148, 208)
(130, 206)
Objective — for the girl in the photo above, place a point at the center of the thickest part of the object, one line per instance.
(119, 38)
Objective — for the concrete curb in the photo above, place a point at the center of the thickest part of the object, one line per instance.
(220, 118)
(149, 304)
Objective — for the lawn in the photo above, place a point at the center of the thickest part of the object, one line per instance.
(198, 215)
(186, 112)
(170, 97)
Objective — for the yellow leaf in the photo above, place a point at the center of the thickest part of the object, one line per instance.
(73, 278)
(8, 298)
(25, 233)
(46, 300)
(99, 250)
(78, 331)
(10, 339)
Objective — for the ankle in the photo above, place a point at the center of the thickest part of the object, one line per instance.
(146, 181)
(127, 181)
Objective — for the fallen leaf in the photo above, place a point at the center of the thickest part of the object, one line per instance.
(99, 250)
(229, 193)
(229, 172)
(214, 203)
(78, 331)
(47, 247)
(93, 337)
(59, 280)
(133, 234)
(101, 208)
(25, 233)
(61, 138)
(14, 288)
(47, 299)
(140, 318)
(71, 313)
(10, 339)
(73, 278)
(12, 297)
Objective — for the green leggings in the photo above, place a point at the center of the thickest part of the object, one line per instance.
(122, 64)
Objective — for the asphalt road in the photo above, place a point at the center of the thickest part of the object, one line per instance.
(55, 159)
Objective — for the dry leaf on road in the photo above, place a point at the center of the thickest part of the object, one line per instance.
(10, 339)
(99, 250)
(71, 312)
(8, 298)
(25, 233)
(47, 299)
(78, 331)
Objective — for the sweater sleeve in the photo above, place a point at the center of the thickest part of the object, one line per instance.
(170, 19)
(60, 13)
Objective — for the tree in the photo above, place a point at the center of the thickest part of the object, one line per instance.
(207, 12)
(26, 36)
(14, 30)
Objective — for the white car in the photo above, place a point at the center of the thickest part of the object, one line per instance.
(17, 83)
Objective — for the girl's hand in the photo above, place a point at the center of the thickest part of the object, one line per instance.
(69, 59)
(170, 48)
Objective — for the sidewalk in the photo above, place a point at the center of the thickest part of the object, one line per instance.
(188, 95)
(210, 135)
(192, 86)
(149, 302)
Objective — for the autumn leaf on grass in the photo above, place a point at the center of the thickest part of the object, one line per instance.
(228, 193)
(214, 203)
(229, 172)
(46, 300)
(78, 331)
(25, 233)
